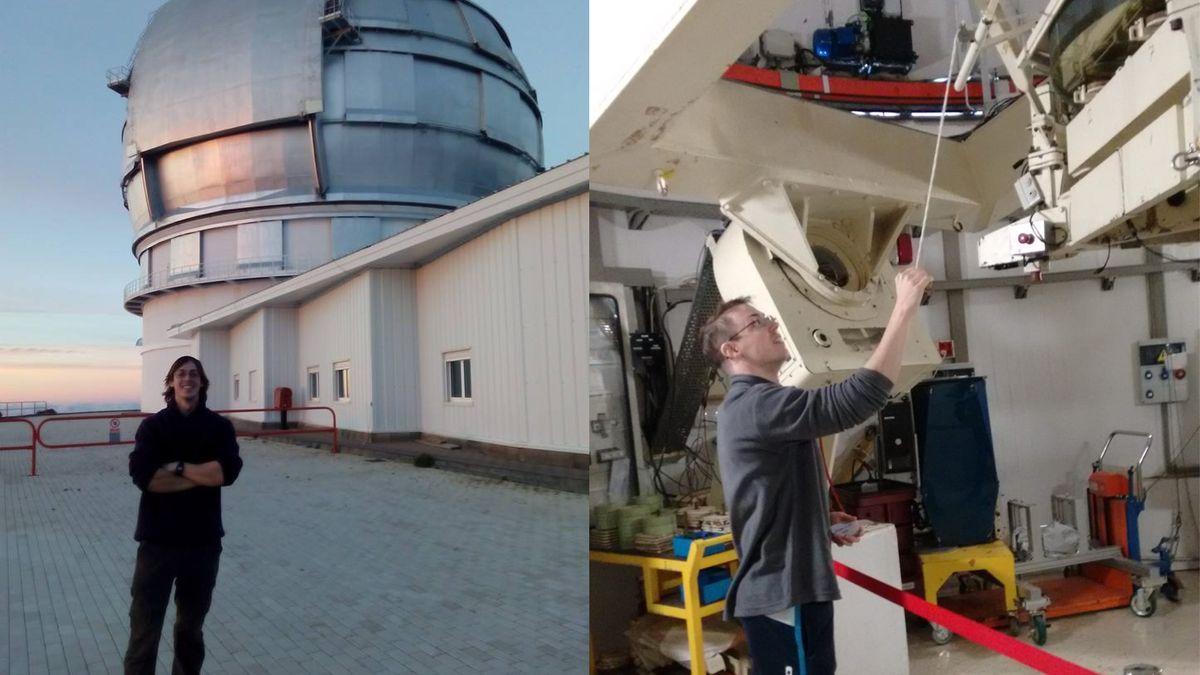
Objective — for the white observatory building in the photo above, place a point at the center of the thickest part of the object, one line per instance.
(348, 199)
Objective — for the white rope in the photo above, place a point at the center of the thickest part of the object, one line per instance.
(936, 150)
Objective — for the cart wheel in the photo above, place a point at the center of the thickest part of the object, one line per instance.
(1143, 602)
(1170, 590)
(1014, 626)
(1039, 630)
(941, 635)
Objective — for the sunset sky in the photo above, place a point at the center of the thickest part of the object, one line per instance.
(65, 238)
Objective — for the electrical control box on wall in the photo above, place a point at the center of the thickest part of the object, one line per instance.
(1162, 371)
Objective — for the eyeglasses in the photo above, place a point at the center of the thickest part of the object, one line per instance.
(756, 321)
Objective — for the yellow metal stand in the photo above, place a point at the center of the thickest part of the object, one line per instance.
(994, 558)
(685, 573)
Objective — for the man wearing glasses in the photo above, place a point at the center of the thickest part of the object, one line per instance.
(775, 485)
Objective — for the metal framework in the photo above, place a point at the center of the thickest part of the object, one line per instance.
(38, 440)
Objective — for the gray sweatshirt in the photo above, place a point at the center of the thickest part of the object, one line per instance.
(775, 486)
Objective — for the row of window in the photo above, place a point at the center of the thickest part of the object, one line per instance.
(257, 244)
(261, 245)
(457, 383)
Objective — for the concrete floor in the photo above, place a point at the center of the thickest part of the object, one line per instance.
(1106, 641)
(332, 564)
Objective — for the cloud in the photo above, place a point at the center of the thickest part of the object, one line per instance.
(69, 373)
(42, 365)
(38, 350)
(84, 357)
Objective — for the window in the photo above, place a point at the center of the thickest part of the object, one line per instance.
(314, 384)
(185, 255)
(341, 381)
(351, 234)
(253, 385)
(260, 244)
(458, 376)
(237, 387)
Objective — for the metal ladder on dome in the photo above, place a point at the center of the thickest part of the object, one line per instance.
(118, 78)
(336, 28)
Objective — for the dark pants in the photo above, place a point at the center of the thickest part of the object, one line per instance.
(774, 649)
(193, 570)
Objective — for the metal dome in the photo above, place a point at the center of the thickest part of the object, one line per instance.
(264, 137)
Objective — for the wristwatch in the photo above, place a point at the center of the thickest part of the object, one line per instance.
(179, 469)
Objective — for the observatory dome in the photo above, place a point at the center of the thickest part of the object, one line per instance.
(265, 137)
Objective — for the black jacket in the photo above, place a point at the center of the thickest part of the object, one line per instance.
(190, 517)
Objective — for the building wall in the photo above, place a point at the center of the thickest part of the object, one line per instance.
(280, 354)
(161, 313)
(246, 357)
(1061, 373)
(1059, 365)
(212, 348)
(514, 297)
(396, 377)
(332, 328)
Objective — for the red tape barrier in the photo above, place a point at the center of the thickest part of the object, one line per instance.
(978, 633)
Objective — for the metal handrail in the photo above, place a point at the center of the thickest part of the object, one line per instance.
(291, 432)
(1136, 434)
(37, 431)
(204, 272)
(34, 408)
(70, 418)
(1135, 472)
(32, 447)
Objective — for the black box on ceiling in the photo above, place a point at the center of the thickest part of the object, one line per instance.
(891, 39)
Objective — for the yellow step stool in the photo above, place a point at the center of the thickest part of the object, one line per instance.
(994, 558)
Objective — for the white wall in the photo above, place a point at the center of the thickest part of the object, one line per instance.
(212, 348)
(246, 355)
(331, 328)
(397, 390)
(280, 353)
(517, 298)
(1061, 376)
(1059, 364)
(163, 312)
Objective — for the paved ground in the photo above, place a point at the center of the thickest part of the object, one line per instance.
(332, 564)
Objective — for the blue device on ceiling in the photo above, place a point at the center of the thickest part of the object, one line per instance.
(834, 44)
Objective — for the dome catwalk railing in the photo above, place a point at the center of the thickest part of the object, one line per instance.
(231, 270)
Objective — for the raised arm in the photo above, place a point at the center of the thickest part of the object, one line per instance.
(791, 413)
(910, 288)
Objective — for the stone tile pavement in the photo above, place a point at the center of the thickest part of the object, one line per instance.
(332, 564)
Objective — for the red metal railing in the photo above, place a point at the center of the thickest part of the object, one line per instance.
(37, 431)
(32, 447)
(76, 444)
(291, 432)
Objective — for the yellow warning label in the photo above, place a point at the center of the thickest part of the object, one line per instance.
(1162, 356)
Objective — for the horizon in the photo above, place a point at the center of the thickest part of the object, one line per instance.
(65, 237)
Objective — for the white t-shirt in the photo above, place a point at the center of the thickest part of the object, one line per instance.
(787, 616)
